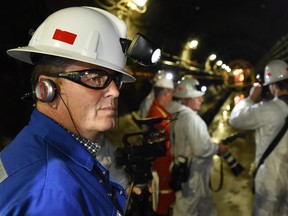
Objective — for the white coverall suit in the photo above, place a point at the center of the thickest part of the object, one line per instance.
(190, 138)
(271, 181)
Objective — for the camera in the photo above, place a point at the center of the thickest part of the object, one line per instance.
(137, 159)
(139, 151)
(234, 165)
(180, 172)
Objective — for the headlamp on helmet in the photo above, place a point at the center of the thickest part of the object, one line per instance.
(141, 50)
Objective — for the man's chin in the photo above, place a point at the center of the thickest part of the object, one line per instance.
(109, 124)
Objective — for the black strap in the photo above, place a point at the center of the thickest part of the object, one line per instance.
(272, 146)
(221, 179)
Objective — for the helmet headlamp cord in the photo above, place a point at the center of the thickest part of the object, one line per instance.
(69, 114)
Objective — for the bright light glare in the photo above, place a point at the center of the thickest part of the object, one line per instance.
(241, 77)
(203, 88)
(225, 114)
(193, 44)
(212, 57)
(132, 5)
(216, 157)
(169, 76)
(221, 125)
(156, 56)
(228, 69)
(219, 62)
(140, 3)
(237, 71)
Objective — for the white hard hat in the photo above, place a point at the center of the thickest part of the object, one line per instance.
(275, 71)
(164, 83)
(187, 88)
(86, 34)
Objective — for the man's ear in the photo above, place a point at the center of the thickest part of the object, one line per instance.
(45, 89)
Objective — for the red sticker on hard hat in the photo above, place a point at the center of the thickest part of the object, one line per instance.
(64, 36)
(269, 74)
(180, 88)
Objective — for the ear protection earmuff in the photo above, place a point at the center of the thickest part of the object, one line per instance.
(45, 90)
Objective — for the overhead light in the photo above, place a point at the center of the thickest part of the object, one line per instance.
(140, 3)
(212, 57)
(193, 44)
(219, 63)
(208, 61)
(137, 5)
(141, 50)
(132, 5)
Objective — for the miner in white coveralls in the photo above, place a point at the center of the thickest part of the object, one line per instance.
(267, 118)
(190, 139)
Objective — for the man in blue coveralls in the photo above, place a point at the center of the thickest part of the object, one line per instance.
(50, 167)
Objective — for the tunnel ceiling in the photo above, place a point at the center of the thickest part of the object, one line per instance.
(234, 29)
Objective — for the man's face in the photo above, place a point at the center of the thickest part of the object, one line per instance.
(272, 89)
(193, 103)
(91, 110)
(169, 95)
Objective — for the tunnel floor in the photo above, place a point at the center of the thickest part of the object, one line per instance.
(235, 198)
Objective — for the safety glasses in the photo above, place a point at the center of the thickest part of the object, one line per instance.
(94, 78)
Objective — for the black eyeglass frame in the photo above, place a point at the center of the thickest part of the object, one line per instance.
(75, 76)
